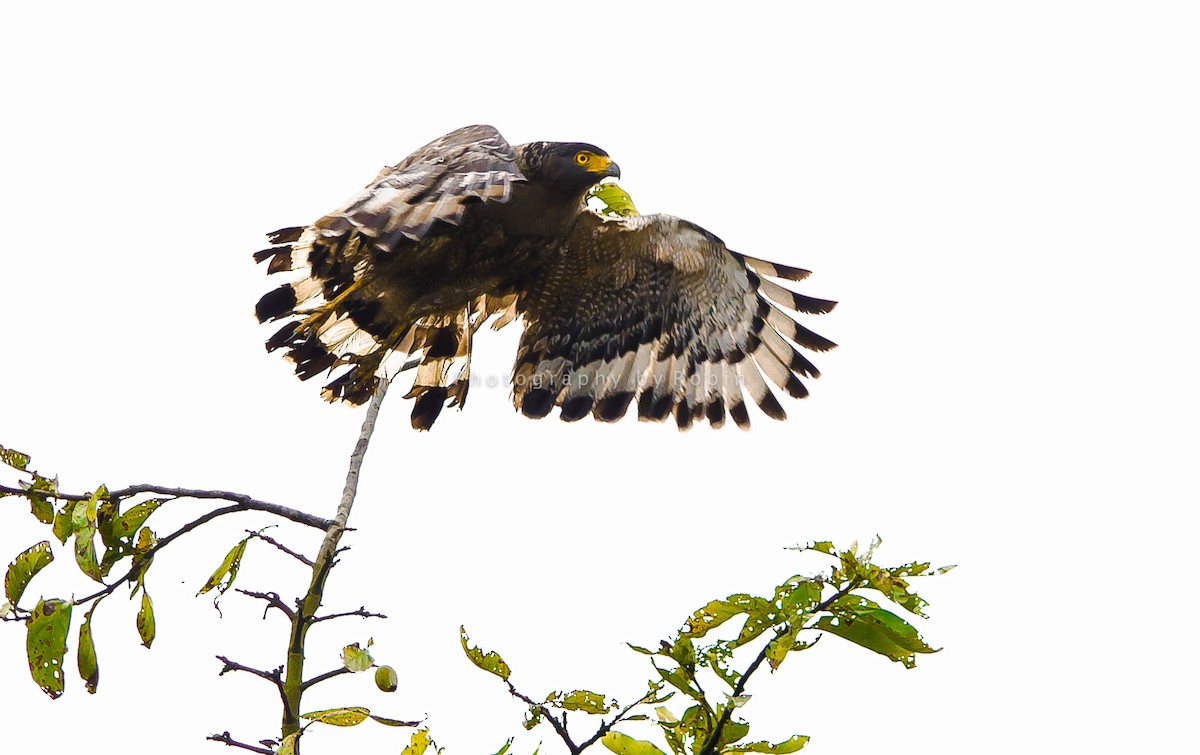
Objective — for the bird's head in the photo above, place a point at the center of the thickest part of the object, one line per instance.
(574, 166)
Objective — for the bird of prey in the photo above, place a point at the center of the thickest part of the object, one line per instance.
(645, 310)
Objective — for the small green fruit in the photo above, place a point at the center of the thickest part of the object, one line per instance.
(386, 679)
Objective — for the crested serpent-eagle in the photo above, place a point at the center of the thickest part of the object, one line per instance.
(648, 309)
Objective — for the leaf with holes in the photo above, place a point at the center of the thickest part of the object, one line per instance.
(89, 669)
(357, 659)
(14, 459)
(46, 644)
(490, 662)
(615, 200)
(145, 619)
(418, 743)
(352, 716)
(23, 568)
(85, 553)
(128, 523)
(623, 744)
(288, 745)
(222, 579)
(864, 623)
(581, 700)
(783, 748)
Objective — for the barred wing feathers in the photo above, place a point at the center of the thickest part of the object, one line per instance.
(358, 271)
(656, 310)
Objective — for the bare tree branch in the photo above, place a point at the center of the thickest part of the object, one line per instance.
(273, 601)
(224, 738)
(298, 556)
(272, 676)
(322, 677)
(361, 611)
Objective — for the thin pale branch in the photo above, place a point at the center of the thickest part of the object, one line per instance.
(306, 608)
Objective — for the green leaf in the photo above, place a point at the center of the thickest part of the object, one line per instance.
(228, 568)
(615, 200)
(62, 526)
(89, 669)
(623, 744)
(145, 619)
(46, 644)
(37, 492)
(356, 659)
(352, 716)
(581, 700)
(393, 721)
(23, 568)
(732, 732)
(783, 748)
(135, 517)
(14, 459)
(864, 623)
(490, 662)
(717, 612)
(106, 519)
(386, 678)
(143, 556)
(85, 553)
(288, 745)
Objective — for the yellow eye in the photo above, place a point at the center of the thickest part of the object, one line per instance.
(582, 158)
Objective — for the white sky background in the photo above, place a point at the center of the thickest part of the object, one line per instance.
(1003, 197)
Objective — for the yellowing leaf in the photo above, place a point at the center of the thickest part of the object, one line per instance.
(288, 745)
(418, 743)
(14, 459)
(352, 716)
(23, 568)
(145, 619)
(89, 669)
(85, 552)
(228, 568)
(128, 523)
(46, 644)
(623, 744)
(490, 662)
(393, 721)
(783, 748)
(356, 659)
(581, 700)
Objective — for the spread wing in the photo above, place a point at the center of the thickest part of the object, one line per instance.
(349, 302)
(656, 310)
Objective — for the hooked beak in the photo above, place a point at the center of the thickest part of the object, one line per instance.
(605, 167)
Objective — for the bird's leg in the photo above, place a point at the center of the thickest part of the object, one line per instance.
(313, 317)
